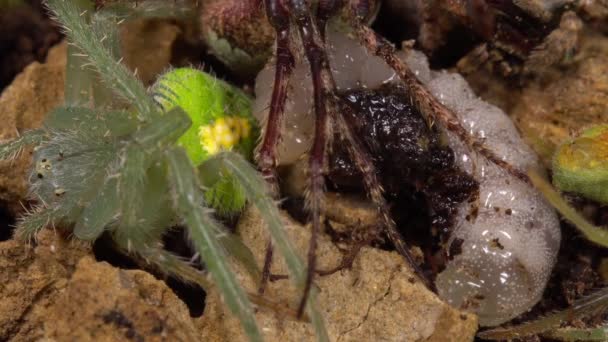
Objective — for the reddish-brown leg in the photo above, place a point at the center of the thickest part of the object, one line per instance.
(315, 53)
(345, 119)
(427, 104)
(325, 98)
(362, 158)
(266, 156)
(329, 110)
(266, 269)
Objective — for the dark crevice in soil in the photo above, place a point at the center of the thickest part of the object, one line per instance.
(192, 295)
(295, 207)
(397, 28)
(391, 25)
(7, 223)
(104, 250)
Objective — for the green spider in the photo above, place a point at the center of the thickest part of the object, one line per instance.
(132, 168)
(221, 120)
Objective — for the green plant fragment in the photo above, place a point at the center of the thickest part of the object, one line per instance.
(580, 165)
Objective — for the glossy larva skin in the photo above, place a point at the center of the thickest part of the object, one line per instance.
(504, 256)
(501, 258)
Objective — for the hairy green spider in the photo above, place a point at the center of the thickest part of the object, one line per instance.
(121, 170)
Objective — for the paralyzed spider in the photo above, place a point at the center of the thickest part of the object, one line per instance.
(302, 31)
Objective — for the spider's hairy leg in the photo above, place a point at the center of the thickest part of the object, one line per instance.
(116, 75)
(325, 92)
(12, 149)
(139, 180)
(34, 221)
(266, 155)
(321, 75)
(205, 232)
(433, 110)
(363, 160)
(171, 264)
(266, 268)
(256, 189)
(325, 11)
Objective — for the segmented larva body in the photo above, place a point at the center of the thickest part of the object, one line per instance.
(501, 257)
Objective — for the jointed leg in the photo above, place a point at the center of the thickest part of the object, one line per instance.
(325, 97)
(266, 269)
(266, 156)
(329, 110)
(315, 53)
(362, 158)
(426, 103)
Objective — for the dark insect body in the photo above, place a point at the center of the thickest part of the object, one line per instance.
(416, 167)
(410, 157)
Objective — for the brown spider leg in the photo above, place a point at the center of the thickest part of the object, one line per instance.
(323, 85)
(362, 158)
(315, 54)
(325, 10)
(266, 269)
(266, 155)
(426, 103)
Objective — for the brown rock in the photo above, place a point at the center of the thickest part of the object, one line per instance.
(30, 280)
(566, 101)
(34, 92)
(104, 303)
(146, 46)
(376, 300)
(57, 291)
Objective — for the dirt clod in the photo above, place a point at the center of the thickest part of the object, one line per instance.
(101, 302)
(373, 301)
(33, 93)
(57, 291)
(30, 281)
(563, 103)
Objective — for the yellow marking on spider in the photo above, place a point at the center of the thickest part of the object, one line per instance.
(584, 153)
(224, 133)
